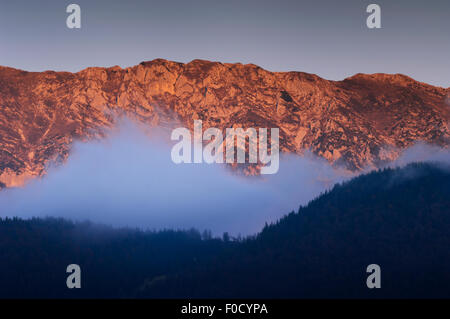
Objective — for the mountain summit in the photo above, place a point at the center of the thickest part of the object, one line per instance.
(364, 120)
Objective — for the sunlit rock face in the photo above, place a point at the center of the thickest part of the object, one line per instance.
(364, 120)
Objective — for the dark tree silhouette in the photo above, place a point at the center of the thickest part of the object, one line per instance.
(396, 218)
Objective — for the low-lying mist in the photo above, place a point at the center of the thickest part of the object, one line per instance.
(129, 179)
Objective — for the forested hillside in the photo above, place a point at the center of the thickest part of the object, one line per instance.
(396, 218)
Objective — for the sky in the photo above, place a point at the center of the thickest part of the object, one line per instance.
(326, 37)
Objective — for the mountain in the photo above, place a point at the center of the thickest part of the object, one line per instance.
(364, 120)
(398, 219)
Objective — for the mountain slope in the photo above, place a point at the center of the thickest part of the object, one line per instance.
(398, 219)
(363, 120)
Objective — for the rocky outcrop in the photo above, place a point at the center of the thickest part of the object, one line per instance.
(362, 120)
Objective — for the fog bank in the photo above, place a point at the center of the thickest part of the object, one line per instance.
(129, 179)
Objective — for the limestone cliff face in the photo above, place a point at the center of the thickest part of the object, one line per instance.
(363, 120)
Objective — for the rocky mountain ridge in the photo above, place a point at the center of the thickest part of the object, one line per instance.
(364, 120)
